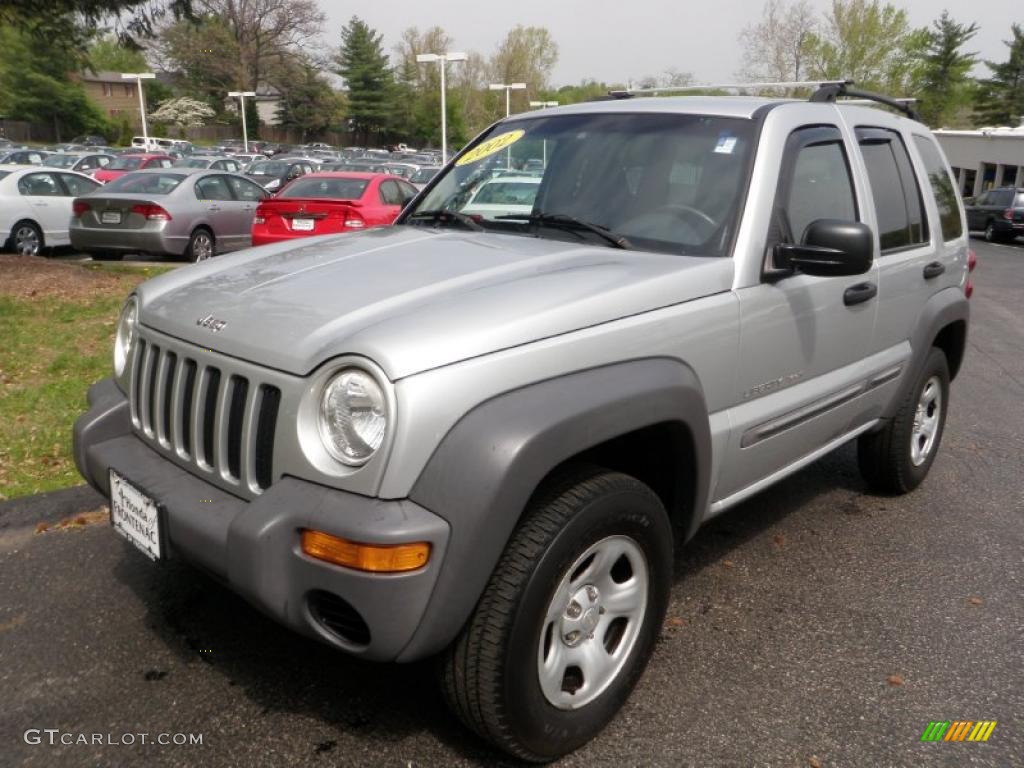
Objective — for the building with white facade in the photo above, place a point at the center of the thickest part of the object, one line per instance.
(985, 158)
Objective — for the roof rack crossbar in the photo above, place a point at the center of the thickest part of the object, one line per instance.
(830, 92)
(629, 92)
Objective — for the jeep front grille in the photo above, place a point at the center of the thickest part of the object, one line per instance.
(211, 417)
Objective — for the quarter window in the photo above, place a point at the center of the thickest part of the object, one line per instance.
(897, 195)
(942, 189)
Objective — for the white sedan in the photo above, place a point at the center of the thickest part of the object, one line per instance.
(35, 206)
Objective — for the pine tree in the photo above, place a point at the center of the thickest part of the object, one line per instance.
(945, 81)
(371, 92)
(1000, 99)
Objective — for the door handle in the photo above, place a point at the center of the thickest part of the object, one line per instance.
(934, 269)
(213, 208)
(859, 293)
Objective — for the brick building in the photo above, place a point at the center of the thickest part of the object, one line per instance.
(114, 96)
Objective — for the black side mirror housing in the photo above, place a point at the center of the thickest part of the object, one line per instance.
(830, 248)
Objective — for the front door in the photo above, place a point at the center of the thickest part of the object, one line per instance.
(803, 338)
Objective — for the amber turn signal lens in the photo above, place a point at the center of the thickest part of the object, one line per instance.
(365, 557)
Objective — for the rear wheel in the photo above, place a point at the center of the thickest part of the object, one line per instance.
(897, 458)
(569, 618)
(991, 235)
(201, 246)
(26, 238)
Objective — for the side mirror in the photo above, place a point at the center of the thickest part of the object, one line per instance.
(830, 248)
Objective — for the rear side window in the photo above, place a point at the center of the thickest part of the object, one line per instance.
(898, 204)
(942, 189)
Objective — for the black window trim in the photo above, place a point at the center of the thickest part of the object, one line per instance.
(925, 223)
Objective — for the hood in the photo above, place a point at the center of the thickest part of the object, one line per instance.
(410, 298)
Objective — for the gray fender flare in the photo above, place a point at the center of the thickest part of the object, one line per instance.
(943, 308)
(484, 471)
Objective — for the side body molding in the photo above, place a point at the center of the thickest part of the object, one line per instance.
(484, 471)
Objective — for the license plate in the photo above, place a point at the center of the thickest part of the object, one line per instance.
(110, 217)
(135, 515)
(302, 225)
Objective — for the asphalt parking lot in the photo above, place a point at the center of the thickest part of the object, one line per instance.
(815, 625)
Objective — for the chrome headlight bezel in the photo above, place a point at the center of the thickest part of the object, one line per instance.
(344, 441)
(125, 336)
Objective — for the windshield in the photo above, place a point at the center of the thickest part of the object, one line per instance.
(268, 169)
(671, 183)
(125, 164)
(148, 183)
(61, 161)
(337, 189)
(194, 162)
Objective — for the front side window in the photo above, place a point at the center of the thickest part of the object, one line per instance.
(942, 188)
(245, 189)
(608, 179)
(897, 195)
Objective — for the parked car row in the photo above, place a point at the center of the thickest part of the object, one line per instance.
(186, 212)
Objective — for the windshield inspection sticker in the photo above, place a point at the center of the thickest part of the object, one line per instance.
(491, 146)
(726, 144)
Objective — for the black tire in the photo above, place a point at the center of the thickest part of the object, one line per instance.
(195, 251)
(20, 232)
(886, 457)
(491, 673)
(993, 236)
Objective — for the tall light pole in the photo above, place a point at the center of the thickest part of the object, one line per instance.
(508, 88)
(442, 59)
(241, 100)
(138, 77)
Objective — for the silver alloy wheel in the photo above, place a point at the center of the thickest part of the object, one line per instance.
(592, 622)
(990, 232)
(202, 247)
(926, 421)
(26, 240)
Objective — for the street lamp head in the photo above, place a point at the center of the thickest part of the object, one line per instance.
(497, 86)
(456, 56)
(241, 93)
(137, 75)
(516, 86)
(422, 58)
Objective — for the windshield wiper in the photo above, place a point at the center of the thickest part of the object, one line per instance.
(446, 217)
(572, 224)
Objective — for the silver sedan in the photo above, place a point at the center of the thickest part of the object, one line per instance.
(175, 211)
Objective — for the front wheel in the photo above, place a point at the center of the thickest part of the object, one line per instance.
(898, 457)
(569, 619)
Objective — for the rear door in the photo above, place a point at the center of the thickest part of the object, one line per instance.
(215, 195)
(50, 207)
(247, 196)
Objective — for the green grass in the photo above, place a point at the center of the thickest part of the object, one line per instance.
(51, 350)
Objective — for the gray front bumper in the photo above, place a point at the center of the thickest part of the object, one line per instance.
(254, 545)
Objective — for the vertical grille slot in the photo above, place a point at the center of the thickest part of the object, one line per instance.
(149, 389)
(136, 382)
(170, 365)
(238, 389)
(187, 403)
(210, 413)
(264, 446)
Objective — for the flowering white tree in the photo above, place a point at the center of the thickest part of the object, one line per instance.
(184, 112)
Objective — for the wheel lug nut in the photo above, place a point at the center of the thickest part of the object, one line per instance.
(574, 610)
(592, 593)
(573, 637)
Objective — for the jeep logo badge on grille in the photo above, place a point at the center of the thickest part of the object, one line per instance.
(211, 322)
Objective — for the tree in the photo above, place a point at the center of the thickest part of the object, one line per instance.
(37, 88)
(944, 81)
(869, 42)
(526, 55)
(309, 106)
(184, 112)
(775, 48)
(1000, 98)
(204, 54)
(363, 65)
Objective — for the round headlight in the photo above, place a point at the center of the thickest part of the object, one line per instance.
(125, 335)
(353, 416)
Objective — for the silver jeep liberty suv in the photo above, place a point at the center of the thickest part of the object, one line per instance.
(481, 433)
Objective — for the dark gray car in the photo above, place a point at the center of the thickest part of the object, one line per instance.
(999, 213)
(177, 211)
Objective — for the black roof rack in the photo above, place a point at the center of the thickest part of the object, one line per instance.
(829, 92)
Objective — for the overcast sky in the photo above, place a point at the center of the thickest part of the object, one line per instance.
(622, 40)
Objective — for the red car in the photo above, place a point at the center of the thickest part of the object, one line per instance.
(123, 164)
(330, 202)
